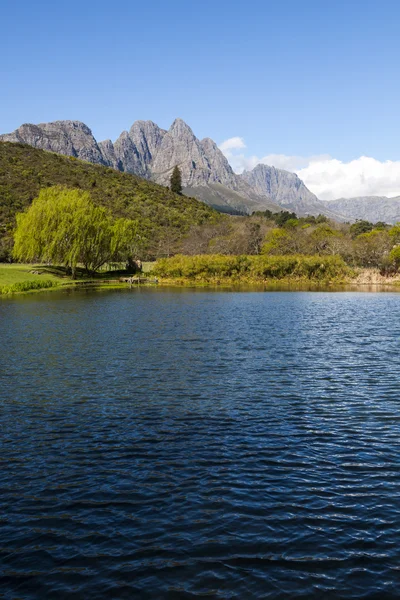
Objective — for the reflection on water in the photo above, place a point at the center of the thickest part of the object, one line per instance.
(178, 443)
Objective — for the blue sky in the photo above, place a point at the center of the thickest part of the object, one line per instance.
(293, 78)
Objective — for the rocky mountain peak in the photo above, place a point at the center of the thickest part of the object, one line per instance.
(147, 137)
(106, 143)
(180, 147)
(72, 138)
(145, 126)
(286, 189)
(68, 125)
(180, 129)
(221, 170)
(268, 172)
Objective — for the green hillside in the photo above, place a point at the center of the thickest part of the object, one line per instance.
(25, 170)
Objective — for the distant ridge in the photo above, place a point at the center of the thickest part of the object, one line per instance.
(148, 151)
(368, 208)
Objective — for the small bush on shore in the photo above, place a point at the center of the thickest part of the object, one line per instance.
(25, 286)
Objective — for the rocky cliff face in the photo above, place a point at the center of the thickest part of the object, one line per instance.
(151, 152)
(220, 170)
(180, 146)
(285, 189)
(147, 137)
(72, 138)
(134, 150)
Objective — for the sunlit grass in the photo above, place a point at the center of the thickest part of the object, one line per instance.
(25, 277)
(11, 274)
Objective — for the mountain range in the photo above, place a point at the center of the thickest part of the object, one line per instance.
(368, 208)
(151, 152)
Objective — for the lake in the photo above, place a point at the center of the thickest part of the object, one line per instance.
(176, 443)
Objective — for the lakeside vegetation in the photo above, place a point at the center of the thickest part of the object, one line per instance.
(253, 268)
(360, 245)
(18, 278)
(95, 216)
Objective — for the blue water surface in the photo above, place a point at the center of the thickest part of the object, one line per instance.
(160, 443)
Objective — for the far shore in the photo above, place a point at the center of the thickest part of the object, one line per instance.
(23, 279)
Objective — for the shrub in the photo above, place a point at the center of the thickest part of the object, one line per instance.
(217, 266)
(25, 286)
(394, 257)
(370, 249)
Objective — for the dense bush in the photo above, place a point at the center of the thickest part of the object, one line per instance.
(262, 267)
(371, 249)
(25, 286)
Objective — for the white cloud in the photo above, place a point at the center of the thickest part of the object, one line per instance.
(364, 176)
(327, 177)
(234, 143)
(241, 162)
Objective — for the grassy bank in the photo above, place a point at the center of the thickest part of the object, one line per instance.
(293, 272)
(17, 278)
(11, 274)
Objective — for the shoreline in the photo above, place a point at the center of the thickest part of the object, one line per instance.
(359, 283)
(19, 279)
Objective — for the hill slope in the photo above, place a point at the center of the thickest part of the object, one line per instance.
(25, 170)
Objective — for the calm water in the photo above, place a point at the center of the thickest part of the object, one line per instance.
(183, 444)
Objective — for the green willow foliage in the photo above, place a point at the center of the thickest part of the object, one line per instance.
(64, 226)
(261, 267)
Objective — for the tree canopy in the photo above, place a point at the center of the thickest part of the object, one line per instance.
(64, 226)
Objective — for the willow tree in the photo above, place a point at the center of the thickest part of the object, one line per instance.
(63, 226)
(129, 241)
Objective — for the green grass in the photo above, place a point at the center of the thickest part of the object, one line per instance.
(15, 273)
(22, 278)
(15, 278)
(27, 286)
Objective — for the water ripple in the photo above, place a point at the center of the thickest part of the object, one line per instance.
(185, 444)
